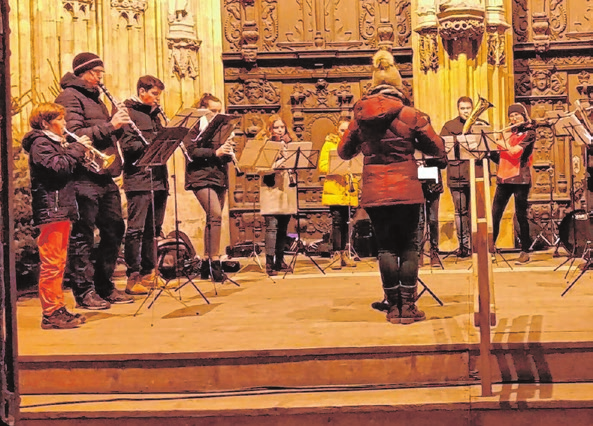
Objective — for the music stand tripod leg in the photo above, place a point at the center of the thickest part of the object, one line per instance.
(583, 271)
(426, 288)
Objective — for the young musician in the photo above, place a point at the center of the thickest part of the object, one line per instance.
(390, 132)
(458, 178)
(207, 176)
(514, 176)
(97, 195)
(338, 196)
(144, 187)
(277, 198)
(52, 162)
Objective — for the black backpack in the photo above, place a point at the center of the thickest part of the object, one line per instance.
(177, 256)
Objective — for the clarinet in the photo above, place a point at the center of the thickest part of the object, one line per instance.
(119, 105)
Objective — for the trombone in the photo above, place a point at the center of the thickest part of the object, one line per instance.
(96, 160)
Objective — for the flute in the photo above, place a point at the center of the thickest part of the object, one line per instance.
(120, 105)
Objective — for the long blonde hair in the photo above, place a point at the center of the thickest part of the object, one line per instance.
(266, 132)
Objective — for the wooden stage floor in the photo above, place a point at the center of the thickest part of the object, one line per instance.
(308, 310)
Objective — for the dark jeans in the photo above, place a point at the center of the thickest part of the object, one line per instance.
(461, 200)
(100, 206)
(432, 213)
(276, 229)
(501, 198)
(396, 230)
(339, 235)
(140, 242)
(212, 200)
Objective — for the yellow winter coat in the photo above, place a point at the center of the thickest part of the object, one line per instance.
(335, 187)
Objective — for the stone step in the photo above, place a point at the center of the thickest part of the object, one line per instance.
(400, 366)
(512, 404)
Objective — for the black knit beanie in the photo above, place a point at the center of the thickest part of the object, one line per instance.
(85, 61)
(519, 108)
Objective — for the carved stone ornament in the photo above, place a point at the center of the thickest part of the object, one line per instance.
(496, 46)
(583, 77)
(541, 35)
(183, 44)
(130, 10)
(520, 20)
(429, 50)
(461, 28)
(79, 8)
(544, 82)
(254, 92)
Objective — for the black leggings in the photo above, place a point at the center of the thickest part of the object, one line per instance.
(501, 199)
(339, 235)
(396, 231)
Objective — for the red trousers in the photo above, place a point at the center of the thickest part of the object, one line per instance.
(53, 250)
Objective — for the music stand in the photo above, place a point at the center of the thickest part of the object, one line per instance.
(158, 153)
(475, 147)
(347, 169)
(299, 156)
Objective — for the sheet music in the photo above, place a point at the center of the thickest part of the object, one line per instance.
(288, 158)
(337, 166)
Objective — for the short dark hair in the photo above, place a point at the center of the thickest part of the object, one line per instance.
(465, 99)
(147, 82)
(47, 112)
(203, 102)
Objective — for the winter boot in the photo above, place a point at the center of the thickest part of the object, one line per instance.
(393, 298)
(270, 265)
(217, 274)
(280, 264)
(336, 262)
(205, 269)
(134, 285)
(409, 312)
(346, 260)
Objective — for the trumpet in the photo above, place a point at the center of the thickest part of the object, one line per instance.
(120, 105)
(160, 111)
(96, 159)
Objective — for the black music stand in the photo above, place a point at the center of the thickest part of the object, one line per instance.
(348, 169)
(157, 154)
(295, 160)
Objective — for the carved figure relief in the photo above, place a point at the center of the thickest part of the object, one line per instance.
(182, 42)
(79, 9)
(544, 83)
(254, 92)
(543, 144)
(131, 11)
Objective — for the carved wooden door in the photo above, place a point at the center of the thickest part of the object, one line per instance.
(553, 67)
(309, 61)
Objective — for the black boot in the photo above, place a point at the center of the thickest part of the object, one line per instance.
(217, 274)
(270, 265)
(205, 269)
(409, 312)
(280, 265)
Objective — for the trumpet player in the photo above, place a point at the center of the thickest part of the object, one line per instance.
(97, 195)
(146, 188)
(340, 193)
(458, 177)
(514, 176)
(52, 163)
(207, 176)
(277, 197)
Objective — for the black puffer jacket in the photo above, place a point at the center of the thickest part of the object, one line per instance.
(87, 115)
(52, 166)
(206, 169)
(149, 123)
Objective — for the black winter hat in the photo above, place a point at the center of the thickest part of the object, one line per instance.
(85, 61)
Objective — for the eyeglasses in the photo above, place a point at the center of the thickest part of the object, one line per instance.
(98, 70)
